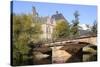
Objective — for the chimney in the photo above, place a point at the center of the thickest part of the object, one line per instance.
(57, 12)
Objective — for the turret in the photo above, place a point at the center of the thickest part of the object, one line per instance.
(34, 11)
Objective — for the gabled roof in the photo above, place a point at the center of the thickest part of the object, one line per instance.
(57, 16)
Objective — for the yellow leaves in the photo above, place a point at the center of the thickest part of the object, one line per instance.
(26, 22)
(16, 23)
(23, 31)
(61, 29)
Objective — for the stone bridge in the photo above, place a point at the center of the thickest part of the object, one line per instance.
(91, 40)
(67, 51)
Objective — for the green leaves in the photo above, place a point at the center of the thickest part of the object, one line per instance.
(23, 32)
(94, 28)
(75, 25)
(61, 29)
(64, 30)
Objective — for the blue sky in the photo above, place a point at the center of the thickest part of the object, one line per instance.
(87, 13)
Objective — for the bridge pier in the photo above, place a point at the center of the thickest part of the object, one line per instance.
(69, 52)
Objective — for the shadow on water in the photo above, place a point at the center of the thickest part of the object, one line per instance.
(46, 60)
(39, 51)
(78, 53)
(90, 53)
(84, 54)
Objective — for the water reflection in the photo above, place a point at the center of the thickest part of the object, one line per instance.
(42, 58)
(65, 54)
(90, 53)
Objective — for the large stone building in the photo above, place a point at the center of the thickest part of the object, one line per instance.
(48, 23)
(47, 28)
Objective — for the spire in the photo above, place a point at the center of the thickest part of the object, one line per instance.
(34, 11)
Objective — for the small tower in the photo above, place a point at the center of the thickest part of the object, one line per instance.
(57, 12)
(34, 11)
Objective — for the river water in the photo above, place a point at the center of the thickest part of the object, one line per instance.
(57, 56)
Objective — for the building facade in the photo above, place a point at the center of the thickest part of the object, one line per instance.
(48, 23)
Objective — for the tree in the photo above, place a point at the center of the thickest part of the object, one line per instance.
(61, 30)
(23, 31)
(74, 27)
(94, 28)
(36, 32)
(21, 25)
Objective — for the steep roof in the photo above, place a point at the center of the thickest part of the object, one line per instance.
(57, 16)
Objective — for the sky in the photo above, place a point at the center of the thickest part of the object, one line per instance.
(88, 14)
